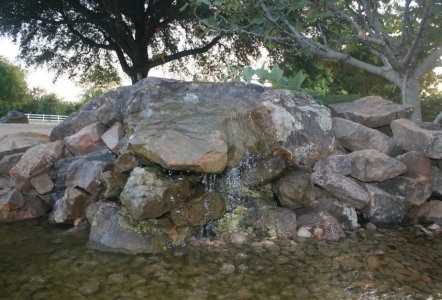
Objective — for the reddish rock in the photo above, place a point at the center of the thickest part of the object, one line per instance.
(410, 192)
(42, 183)
(295, 190)
(86, 140)
(85, 174)
(35, 161)
(73, 124)
(8, 162)
(372, 165)
(125, 163)
(20, 142)
(371, 111)
(264, 171)
(343, 188)
(10, 200)
(418, 165)
(113, 136)
(354, 137)
(332, 230)
(70, 207)
(429, 212)
(34, 207)
(411, 137)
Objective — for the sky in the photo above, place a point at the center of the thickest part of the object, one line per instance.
(41, 77)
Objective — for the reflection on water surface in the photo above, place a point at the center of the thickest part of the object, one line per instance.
(41, 261)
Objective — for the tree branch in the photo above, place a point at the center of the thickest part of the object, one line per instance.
(432, 61)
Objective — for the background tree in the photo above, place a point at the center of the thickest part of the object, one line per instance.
(402, 37)
(13, 87)
(79, 36)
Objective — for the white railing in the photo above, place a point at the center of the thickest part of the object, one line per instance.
(46, 118)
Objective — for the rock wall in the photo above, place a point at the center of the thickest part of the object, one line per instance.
(160, 162)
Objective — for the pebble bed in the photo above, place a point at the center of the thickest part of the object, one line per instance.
(42, 261)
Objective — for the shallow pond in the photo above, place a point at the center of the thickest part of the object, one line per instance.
(42, 261)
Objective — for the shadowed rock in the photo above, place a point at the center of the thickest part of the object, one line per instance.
(429, 212)
(436, 180)
(15, 117)
(411, 137)
(371, 111)
(295, 190)
(113, 183)
(418, 165)
(71, 206)
(8, 162)
(332, 230)
(410, 192)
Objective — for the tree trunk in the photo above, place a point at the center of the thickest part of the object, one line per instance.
(411, 95)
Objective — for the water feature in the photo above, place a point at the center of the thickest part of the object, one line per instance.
(42, 261)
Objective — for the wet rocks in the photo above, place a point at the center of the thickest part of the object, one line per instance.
(149, 194)
(331, 230)
(71, 206)
(429, 212)
(295, 190)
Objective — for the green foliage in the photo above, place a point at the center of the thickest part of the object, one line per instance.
(39, 101)
(85, 38)
(13, 87)
(431, 106)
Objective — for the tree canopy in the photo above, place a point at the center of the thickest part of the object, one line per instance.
(79, 36)
(13, 87)
(402, 38)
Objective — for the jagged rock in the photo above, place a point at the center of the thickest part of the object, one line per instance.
(299, 124)
(383, 210)
(411, 137)
(371, 111)
(15, 117)
(20, 142)
(295, 190)
(113, 136)
(340, 164)
(5, 181)
(372, 165)
(201, 209)
(265, 171)
(125, 163)
(354, 137)
(86, 140)
(35, 161)
(42, 183)
(418, 165)
(343, 188)
(429, 212)
(10, 200)
(332, 231)
(343, 212)
(91, 210)
(436, 180)
(86, 175)
(113, 228)
(71, 206)
(107, 114)
(73, 124)
(410, 192)
(58, 172)
(148, 194)
(15, 206)
(113, 183)
(9, 161)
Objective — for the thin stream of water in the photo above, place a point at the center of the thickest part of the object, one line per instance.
(42, 261)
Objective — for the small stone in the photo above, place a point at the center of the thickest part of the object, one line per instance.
(304, 233)
(318, 232)
(227, 269)
(371, 227)
(238, 239)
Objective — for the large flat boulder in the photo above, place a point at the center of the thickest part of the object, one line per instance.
(411, 137)
(354, 137)
(371, 111)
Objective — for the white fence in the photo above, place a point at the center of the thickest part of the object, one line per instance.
(46, 118)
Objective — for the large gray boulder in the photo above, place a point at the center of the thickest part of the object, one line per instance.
(354, 137)
(15, 117)
(411, 137)
(371, 111)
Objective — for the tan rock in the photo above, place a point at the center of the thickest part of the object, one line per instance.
(42, 183)
(113, 136)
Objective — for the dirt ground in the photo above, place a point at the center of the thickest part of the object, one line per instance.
(8, 128)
